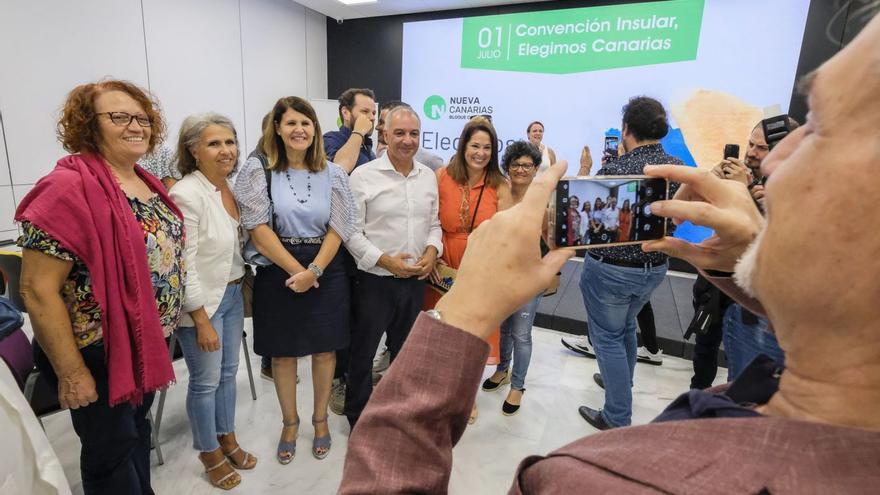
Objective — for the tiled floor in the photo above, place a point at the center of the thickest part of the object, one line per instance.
(558, 382)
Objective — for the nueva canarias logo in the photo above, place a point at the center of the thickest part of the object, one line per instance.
(435, 107)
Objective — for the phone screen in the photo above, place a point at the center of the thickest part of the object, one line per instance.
(594, 212)
(611, 143)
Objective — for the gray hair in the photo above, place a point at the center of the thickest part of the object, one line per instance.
(191, 132)
(403, 108)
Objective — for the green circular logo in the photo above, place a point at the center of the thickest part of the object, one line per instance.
(435, 107)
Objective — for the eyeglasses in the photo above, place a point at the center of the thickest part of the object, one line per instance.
(522, 166)
(123, 119)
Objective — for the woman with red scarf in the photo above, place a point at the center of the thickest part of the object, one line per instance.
(101, 277)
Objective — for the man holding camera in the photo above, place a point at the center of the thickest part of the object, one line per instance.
(745, 334)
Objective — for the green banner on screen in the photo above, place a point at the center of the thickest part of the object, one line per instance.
(586, 39)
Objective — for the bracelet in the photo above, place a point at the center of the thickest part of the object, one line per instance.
(317, 270)
(359, 134)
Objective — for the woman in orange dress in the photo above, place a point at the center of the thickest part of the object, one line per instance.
(625, 222)
(472, 189)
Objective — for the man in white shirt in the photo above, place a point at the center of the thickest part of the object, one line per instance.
(396, 242)
(422, 156)
(611, 218)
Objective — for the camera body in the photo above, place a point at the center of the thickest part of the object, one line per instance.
(775, 129)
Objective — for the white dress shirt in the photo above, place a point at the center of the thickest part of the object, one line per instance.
(611, 218)
(213, 246)
(394, 214)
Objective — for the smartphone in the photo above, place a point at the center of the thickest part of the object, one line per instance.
(611, 143)
(619, 212)
(731, 151)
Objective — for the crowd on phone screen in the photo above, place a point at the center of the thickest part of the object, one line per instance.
(603, 222)
(344, 245)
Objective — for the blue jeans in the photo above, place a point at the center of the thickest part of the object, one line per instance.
(516, 342)
(210, 398)
(613, 296)
(743, 341)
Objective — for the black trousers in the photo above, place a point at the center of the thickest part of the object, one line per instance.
(115, 455)
(381, 304)
(647, 328)
(706, 345)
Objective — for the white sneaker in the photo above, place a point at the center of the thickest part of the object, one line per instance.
(382, 361)
(580, 345)
(644, 356)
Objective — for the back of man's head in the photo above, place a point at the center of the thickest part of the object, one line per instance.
(645, 119)
(390, 105)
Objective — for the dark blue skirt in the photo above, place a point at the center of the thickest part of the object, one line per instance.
(288, 324)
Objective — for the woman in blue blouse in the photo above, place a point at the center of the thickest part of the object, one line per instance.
(301, 301)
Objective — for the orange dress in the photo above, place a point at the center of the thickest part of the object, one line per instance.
(625, 224)
(456, 212)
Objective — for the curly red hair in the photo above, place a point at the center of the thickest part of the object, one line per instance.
(78, 128)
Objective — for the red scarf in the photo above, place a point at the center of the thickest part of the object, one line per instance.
(80, 205)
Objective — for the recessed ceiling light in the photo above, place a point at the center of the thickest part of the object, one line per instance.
(357, 2)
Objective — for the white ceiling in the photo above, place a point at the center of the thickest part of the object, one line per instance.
(338, 10)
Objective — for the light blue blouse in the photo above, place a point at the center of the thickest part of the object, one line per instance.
(302, 202)
(330, 203)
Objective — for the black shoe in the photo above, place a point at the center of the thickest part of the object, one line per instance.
(594, 417)
(597, 377)
(579, 345)
(490, 386)
(266, 373)
(509, 409)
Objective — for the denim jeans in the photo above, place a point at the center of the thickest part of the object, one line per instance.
(516, 342)
(743, 341)
(210, 397)
(613, 296)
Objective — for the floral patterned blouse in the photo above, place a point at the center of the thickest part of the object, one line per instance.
(163, 236)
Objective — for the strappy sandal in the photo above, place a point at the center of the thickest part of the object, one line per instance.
(320, 443)
(227, 481)
(248, 461)
(288, 448)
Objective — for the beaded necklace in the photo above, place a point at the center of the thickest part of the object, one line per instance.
(308, 187)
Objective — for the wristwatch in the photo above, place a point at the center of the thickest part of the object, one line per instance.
(317, 270)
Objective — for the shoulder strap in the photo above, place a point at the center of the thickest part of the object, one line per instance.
(479, 199)
(268, 174)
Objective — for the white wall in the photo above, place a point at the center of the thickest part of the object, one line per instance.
(235, 57)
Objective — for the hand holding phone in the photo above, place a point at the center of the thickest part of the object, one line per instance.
(610, 151)
(735, 169)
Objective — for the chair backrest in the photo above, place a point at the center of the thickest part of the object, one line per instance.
(10, 267)
(17, 353)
